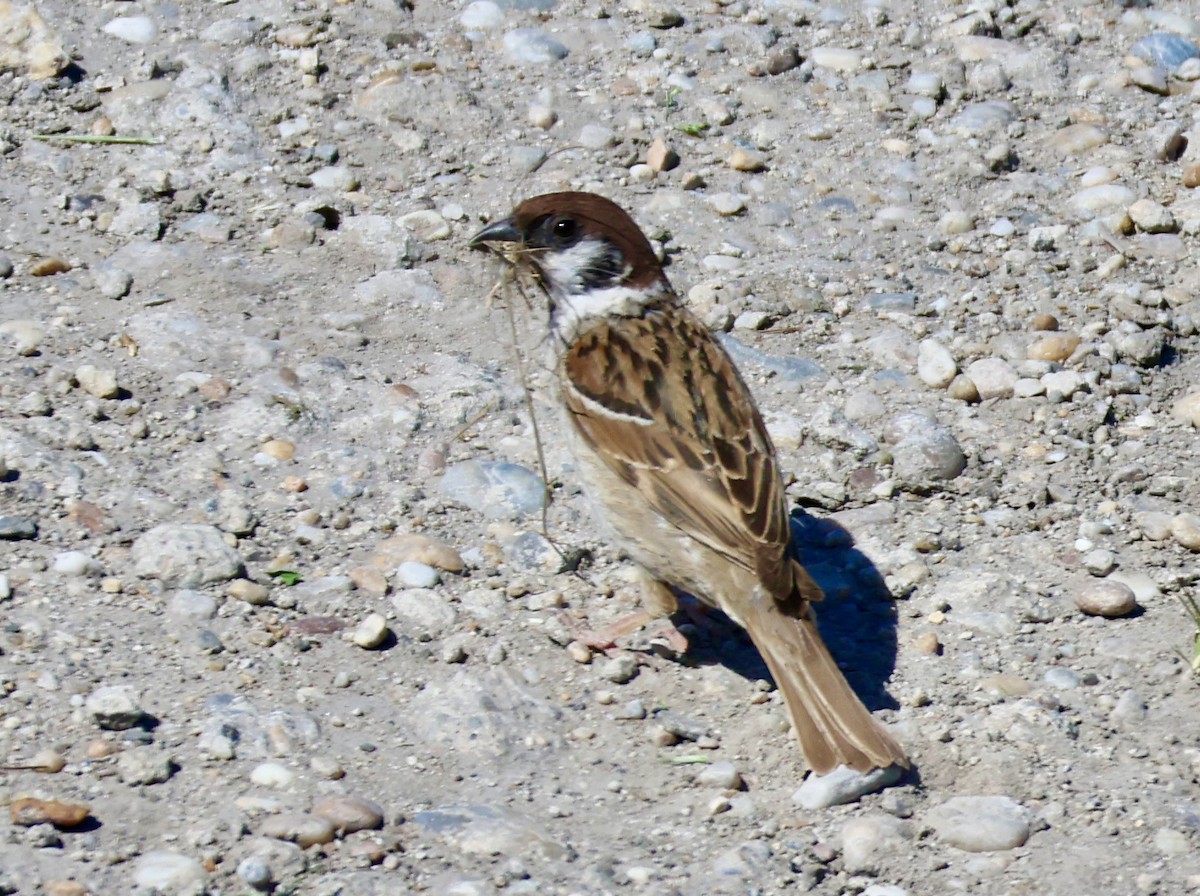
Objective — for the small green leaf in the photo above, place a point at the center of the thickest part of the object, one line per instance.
(287, 577)
(693, 128)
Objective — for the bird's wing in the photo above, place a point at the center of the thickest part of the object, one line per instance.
(662, 404)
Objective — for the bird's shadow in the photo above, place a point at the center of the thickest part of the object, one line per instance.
(857, 618)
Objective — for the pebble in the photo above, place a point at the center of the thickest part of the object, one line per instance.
(252, 593)
(742, 159)
(132, 29)
(1076, 139)
(1166, 50)
(482, 15)
(114, 707)
(1151, 217)
(422, 612)
(870, 841)
(17, 528)
(1150, 78)
(1060, 678)
(256, 873)
(426, 225)
(1171, 842)
(993, 378)
(980, 823)
(727, 204)
(842, 785)
(349, 814)
(494, 488)
(100, 382)
(371, 632)
(31, 811)
(144, 766)
(1187, 409)
(273, 775)
(723, 775)
(26, 336)
(936, 367)
(301, 828)
(923, 450)
(532, 45)
(1102, 199)
(1100, 562)
(1130, 710)
(411, 574)
(166, 872)
(1104, 597)
(417, 549)
(1185, 529)
(338, 178)
(836, 59)
(185, 555)
(112, 282)
(1053, 347)
(76, 564)
(620, 669)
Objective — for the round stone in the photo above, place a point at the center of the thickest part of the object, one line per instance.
(980, 823)
(935, 365)
(371, 632)
(1185, 529)
(1053, 347)
(1105, 597)
(300, 828)
(348, 813)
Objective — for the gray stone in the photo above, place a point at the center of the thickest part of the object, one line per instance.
(842, 785)
(980, 823)
(494, 488)
(185, 555)
(870, 841)
(114, 707)
(165, 872)
(422, 613)
(489, 831)
(532, 45)
(144, 765)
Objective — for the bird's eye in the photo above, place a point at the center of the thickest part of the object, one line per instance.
(565, 232)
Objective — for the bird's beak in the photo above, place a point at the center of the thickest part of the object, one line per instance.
(503, 231)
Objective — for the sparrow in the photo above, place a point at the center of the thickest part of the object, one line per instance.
(673, 454)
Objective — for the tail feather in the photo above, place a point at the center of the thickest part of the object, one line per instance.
(833, 726)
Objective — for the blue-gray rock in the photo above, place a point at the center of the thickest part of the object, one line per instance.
(494, 488)
(747, 861)
(893, 301)
(185, 555)
(489, 831)
(533, 45)
(980, 823)
(842, 785)
(478, 717)
(1166, 50)
(17, 528)
(643, 43)
(788, 368)
(978, 118)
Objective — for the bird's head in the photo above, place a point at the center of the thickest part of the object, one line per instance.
(585, 250)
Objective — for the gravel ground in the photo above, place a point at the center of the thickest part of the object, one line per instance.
(277, 612)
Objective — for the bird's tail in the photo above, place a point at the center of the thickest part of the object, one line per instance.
(833, 726)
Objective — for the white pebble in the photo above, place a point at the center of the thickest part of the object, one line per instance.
(272, 774)
(371, 632)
